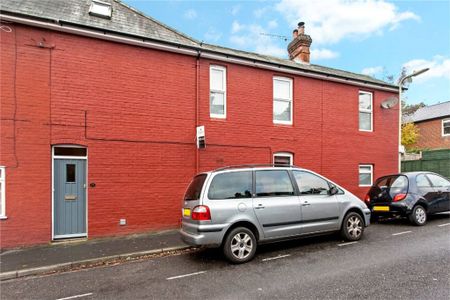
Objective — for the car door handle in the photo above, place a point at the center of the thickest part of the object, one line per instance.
(306, 204)
(260, 206)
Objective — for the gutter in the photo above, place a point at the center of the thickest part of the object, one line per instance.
(194, 51)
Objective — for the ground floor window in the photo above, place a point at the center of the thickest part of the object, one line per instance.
(283, 159)
(2, 192)
(365, 175)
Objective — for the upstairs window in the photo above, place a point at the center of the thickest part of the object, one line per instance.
(218, 92)
(2, 192)
(282, 100)
(446, 127)
(100, 9)
(365, 111)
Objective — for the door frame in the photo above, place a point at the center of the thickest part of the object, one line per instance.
(53, 189)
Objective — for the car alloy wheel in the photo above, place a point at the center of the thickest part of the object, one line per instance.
(354, 227)
(241, 245)
(418, 216)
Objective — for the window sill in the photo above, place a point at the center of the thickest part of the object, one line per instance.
(369, 185)
(3, 217)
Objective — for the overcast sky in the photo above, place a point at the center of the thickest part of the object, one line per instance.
(377, 38)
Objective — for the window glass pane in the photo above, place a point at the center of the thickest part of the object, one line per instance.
(438, 181)
(366, 169)
(365, 101)
(195, 188)
(217, 80)
(217, 105)
(365, 121)
(422, 181)
(62, 151)
(310, 184)
(365, 179)
(231, 185)
(281, 89)
(446, 125)
(282, 160)
(282, 110)
(273, 183)
(70, 173)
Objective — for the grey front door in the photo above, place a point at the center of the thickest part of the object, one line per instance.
(69, 198)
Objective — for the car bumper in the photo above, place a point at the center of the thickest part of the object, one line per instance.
(367, 213)
(203, 237)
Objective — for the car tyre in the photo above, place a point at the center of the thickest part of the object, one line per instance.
(352, 227)
(418, 216)
(240, 245)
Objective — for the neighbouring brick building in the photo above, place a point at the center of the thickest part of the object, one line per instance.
(100, 105)
(433, 122)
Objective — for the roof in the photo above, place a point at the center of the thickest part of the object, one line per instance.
(125, 19)
(435, 111)
(129, 21)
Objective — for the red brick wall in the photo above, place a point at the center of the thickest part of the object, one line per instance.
(430, 136)
(134, 109)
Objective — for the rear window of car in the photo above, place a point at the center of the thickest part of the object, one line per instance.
(195, 188)
(231, 185)
(394, 184)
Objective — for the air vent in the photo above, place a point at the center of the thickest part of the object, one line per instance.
(100, 9)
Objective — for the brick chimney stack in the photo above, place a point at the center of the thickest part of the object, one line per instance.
(298, 48)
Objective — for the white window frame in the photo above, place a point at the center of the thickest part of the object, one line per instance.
(284, 154)
(442, 128)
(3, 189)
(224, 91)
(289, 80)
(365, 172)
(366, 110)
(94, 9)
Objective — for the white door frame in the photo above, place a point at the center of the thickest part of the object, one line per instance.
(53, 189)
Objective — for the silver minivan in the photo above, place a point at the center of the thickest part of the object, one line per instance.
(237, 208)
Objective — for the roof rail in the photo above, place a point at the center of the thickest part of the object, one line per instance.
(254, 166)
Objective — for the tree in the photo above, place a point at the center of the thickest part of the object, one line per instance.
(409, 109)
(410, 134)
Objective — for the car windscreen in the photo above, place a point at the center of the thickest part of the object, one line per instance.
(397, 184)
(195, 188)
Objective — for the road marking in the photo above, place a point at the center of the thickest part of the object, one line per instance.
(276, 257)
(442, 225)
(345, 244)
(76, 296)
(403, 232)
(186, 275)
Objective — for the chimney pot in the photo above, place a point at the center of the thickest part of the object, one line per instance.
(294, 34)
(301, 27)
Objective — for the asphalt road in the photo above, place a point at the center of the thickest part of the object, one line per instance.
(394, 260)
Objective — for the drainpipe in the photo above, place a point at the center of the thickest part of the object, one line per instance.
(197, 101)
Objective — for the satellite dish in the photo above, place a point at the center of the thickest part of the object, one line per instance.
(389, 102)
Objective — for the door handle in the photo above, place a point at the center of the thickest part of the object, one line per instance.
(260, 206)
(306, 204)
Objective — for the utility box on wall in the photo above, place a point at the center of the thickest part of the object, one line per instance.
(201, 142)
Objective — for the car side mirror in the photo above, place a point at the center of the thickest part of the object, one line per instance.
(333, 191)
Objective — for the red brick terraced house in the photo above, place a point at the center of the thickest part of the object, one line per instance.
(433, 122)
(100, 105)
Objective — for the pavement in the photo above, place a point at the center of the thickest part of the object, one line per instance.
(393, 260)
(72, 254)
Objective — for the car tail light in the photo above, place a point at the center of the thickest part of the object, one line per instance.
(399, 197)
(367, 199)
(201, 213)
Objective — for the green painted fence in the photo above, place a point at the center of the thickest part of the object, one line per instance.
(437, 161)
